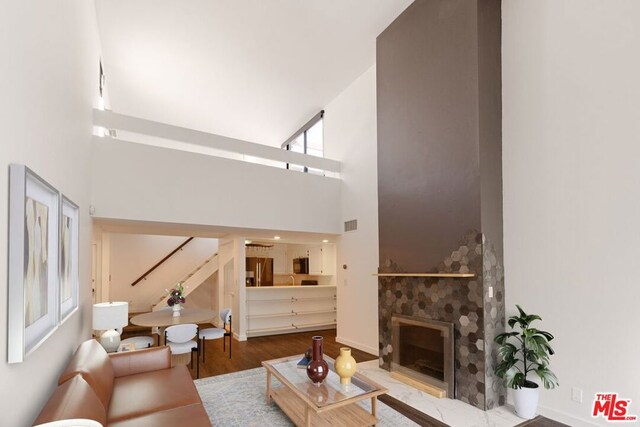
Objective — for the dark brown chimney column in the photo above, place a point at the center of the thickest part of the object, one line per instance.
(440, 179)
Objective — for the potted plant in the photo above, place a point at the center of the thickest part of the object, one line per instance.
(522, 352)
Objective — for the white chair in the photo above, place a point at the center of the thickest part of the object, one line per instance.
(76, 422)
(140, 342)
(182, 339)
(217, 333)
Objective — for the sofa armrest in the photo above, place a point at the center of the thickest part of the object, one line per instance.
(140, 361)
(73, 399)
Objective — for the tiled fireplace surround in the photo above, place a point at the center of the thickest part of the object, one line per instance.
(477, 315)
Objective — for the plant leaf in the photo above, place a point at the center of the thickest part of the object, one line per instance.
(516, 381)
(507, 351)
(549, 379)
(503, 367)
(532, 348)
(547, 335)
(502, 338)
(531, 317)
(512, 321)
(510, 376)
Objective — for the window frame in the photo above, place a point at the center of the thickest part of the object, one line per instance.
(303, 131)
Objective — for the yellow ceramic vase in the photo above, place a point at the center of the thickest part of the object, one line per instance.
(345, 365)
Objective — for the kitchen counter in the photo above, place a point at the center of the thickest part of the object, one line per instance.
(291, 286)
(286, 309)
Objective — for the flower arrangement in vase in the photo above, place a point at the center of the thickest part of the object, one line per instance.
(176, 297)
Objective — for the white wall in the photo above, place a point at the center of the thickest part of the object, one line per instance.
(232, 289)
(571, 123)
(204, 296)
(133, 254)
(350, 137)
(49, 84)
(163, 185)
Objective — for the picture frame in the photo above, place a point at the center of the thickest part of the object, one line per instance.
(33, 299)
(69, 270)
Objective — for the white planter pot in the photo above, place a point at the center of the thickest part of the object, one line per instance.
(525, 401)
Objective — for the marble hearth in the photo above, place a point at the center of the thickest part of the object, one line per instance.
(454, 413)
(475, 307)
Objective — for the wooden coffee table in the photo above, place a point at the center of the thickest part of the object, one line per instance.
(329, 404)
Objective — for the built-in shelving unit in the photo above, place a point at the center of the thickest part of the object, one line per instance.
(443, 275)
(276, 310)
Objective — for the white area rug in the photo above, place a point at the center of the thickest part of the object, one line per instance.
(239, 399)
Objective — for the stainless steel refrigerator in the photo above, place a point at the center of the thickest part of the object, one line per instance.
(259, 271)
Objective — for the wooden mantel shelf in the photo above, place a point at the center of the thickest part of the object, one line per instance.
(452, 275)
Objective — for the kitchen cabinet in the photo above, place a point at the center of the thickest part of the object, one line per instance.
(278, 252)
(280, 259)
(315, 260)
(322, 260)
(285, 309)
(293, 252)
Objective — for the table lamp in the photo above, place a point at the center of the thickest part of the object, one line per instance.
(107, 317)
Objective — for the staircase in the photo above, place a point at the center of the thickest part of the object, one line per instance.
(192, 280)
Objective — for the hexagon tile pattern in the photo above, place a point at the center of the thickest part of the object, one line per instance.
(494, 323)
(463, 302)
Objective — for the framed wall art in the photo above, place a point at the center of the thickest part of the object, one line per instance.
(34, 228)
(69, 227)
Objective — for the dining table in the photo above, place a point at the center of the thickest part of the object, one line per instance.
(162, 319)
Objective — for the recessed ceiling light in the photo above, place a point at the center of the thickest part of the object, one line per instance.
(276, 237)
(325, 241)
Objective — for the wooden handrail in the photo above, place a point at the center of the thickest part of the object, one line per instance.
(139, 279)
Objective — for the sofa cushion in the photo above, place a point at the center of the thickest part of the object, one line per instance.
(92, 362)
(192, 416)
(73, 399)
(141, 394)
(140, 361)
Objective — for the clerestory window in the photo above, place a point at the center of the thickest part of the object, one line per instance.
(307, 140)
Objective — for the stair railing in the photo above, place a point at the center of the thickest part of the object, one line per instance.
(146, 273)
(187, 290)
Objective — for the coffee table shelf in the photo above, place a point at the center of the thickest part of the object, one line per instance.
(294, 407)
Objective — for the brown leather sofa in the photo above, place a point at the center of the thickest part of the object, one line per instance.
(132, 389)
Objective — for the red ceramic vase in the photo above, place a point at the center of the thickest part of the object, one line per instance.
(317, 369)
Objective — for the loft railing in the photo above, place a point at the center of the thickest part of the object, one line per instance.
(110, 123)
(146, 273)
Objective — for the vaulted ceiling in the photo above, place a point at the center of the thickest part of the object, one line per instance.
(249, 69)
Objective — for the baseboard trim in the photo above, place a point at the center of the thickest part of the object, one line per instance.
(359, 346)
(563, 417)
(559, 416)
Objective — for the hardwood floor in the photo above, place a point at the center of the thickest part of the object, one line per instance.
(541, 421)
(249, 354)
